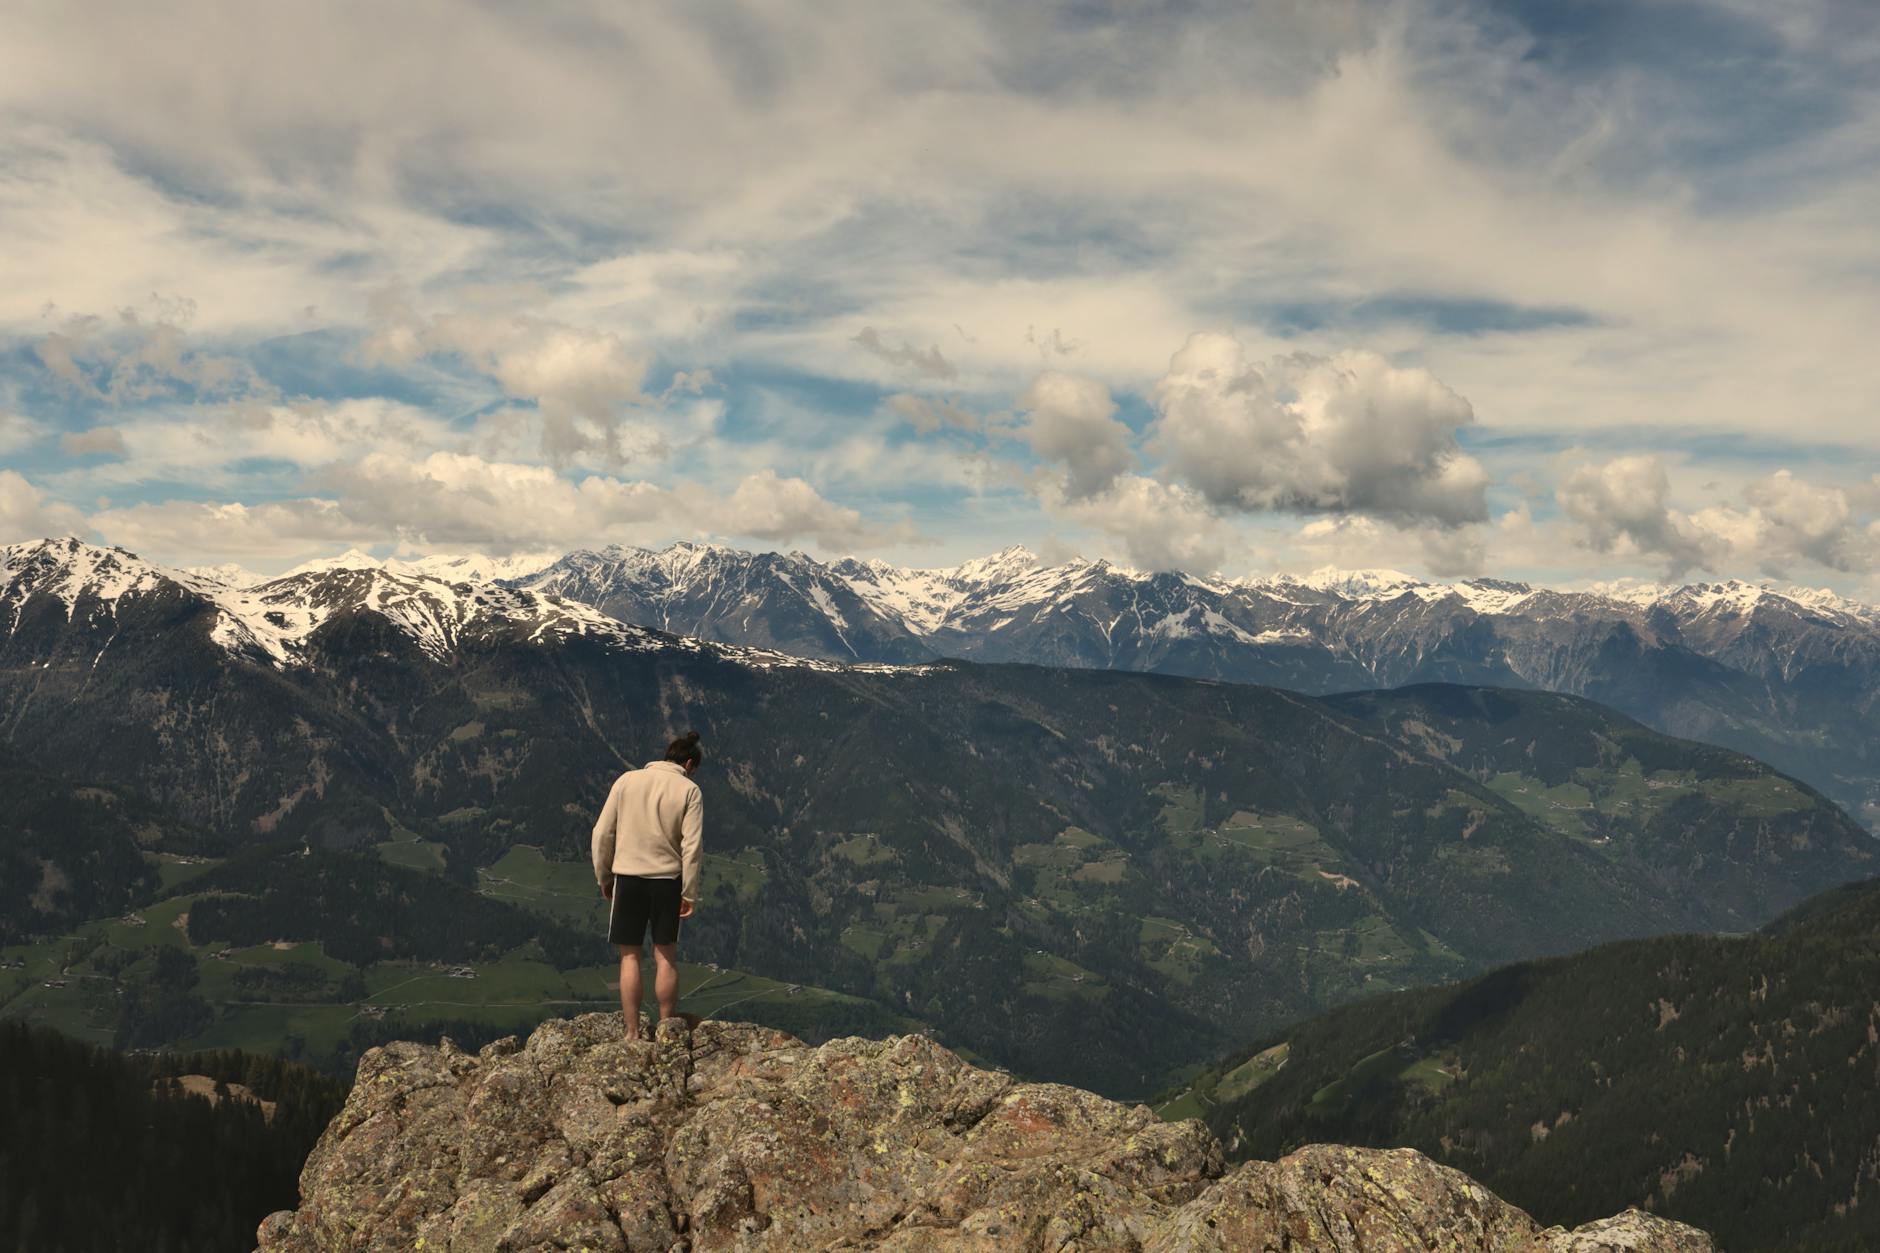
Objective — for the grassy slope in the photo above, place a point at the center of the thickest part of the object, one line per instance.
(291, 994)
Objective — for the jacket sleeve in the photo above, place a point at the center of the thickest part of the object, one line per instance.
(602, 845)
(692, 843)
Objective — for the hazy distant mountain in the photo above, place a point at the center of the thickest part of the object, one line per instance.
(1056, 865)
(1790, 676)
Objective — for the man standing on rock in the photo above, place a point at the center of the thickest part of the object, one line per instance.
(647, 846)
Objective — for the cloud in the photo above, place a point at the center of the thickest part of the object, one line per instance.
(218, 447)
(99, 441)
(1306, 434)
(585, 383)
(1052, 343)
(461, 500)
(928, 364)
(188, 530)
(1072, 421)
(17, 431)
(1355, 542)
(27, 513)
(137, 357)
(688, 383)
(927, 414)
(1623, 506)
(1160, 526)
(767, 506)
(1620, 247)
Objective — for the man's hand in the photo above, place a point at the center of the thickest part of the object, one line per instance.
(607, 890)
(685, 907)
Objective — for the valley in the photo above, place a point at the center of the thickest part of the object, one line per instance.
(1098, 876)
(294, 998)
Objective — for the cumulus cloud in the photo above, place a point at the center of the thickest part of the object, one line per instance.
(583, 382)
(27, 513)
(458, 499)
(768, 506)
(1355, 542)
(1623, 506)
(1795, 521)
(1072, 420)
(927, 363)
(1161, 526)
(1307, 434)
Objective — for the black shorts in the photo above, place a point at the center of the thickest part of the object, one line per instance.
(640, 903)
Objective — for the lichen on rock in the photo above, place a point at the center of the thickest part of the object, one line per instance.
(737, 1137)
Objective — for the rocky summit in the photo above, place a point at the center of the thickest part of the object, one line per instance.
(734, 1136)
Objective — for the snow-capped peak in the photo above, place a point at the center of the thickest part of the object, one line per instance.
(72, 570)
(351, 559)
(474, 567)
(1008, 563)
(1732, 596)
(1492, 595)
(1346, 584)
(228, 573)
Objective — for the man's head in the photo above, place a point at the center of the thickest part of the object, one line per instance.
(684, 751)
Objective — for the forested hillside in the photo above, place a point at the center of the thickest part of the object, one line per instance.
(1727, 1082)
(100, 1151)
(71, 851)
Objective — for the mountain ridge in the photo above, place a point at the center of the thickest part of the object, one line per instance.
(1023, 841)
(1789, 675)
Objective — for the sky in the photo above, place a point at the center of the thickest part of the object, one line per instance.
(1555, 290)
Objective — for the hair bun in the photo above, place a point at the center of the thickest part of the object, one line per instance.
(684, 749)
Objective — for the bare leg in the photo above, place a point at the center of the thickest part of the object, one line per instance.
(666, 979)
(630, 988)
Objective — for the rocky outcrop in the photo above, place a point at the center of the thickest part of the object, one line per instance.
(732, 1136)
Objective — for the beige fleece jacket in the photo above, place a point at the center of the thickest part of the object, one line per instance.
(653, 825)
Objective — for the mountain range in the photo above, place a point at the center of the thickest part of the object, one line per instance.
(1789, 675)
(1100, 876)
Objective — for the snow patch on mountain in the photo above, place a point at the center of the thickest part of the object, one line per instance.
(228, 574)
(474, 567)
(924, 599)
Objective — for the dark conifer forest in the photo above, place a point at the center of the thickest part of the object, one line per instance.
(1728, 1082)
(103, 1152)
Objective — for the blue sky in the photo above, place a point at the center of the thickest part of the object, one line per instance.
(1560, 289)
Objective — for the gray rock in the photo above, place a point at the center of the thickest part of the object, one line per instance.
(736, 1137)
